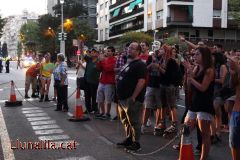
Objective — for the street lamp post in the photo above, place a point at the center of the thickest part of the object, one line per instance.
(62, 41)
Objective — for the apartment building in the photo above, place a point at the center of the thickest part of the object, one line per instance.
(195, 19)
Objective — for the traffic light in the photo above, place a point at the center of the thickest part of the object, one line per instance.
(59, 36)
(64, 36)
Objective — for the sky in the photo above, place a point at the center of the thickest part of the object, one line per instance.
(15, 7)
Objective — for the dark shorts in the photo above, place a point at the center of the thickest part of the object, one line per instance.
(168, 96)
(234, 130)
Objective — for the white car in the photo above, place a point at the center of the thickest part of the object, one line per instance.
(28, 62)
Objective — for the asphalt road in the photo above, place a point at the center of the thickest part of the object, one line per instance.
(92, 140)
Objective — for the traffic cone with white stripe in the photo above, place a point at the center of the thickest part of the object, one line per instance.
(78, 115)
(186, 148)
(13, 100)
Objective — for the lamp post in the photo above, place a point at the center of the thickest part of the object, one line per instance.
(62, 42)
(155, 31)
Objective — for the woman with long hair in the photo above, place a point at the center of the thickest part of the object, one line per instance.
(201, 81)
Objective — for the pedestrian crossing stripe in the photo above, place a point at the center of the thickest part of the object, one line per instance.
(48, 126)
(51, 138)
(49, 131)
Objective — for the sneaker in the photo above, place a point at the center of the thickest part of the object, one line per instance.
(126, 142)
(99, 115)
(26, 97)
(149, 123)
(135, 146)
(34, 96)
(105, 117)
(115, 118)
(54, 99)
(176, 147)
(197, 152)
(143, 129)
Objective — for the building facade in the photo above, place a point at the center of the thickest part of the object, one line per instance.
(195, 19)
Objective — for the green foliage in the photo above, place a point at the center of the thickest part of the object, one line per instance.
(2, 23)
(234, 8)
(48, 41)
(71, 8)
(30, 34)
(4, 50)
(82, 30)
(19, 49)
(135, 36)
(173, 40)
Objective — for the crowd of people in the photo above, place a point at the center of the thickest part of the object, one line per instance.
(141, 83)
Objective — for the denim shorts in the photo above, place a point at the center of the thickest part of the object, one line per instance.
(199, 115)
(105, 93)
(168, 96)
(152, 98)
(234, 130)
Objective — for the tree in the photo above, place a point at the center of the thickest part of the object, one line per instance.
(136, 36)
(4, 50)
(49, 26)
(234, 8)
(71, 8)
(29, 36)
(173, 40)
(19, 49)
(2, 23)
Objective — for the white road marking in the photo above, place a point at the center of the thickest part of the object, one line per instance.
(51, 138)
(36, 115)
(3, 101)
(88, 128)
(49, 126)
(32, 111)
(30, 108)
(181, 106)
(50, 131)
(38, 118)
(5, 140)
(105, 140)
(79, 158)
(42, 122)
(1, 90)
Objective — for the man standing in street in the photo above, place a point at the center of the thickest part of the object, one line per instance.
(131, 91)
(7, 64)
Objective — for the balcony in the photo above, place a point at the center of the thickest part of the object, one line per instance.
(179, 0)
(117, 3)
(119, 31)
(126, 15)
(184, 21)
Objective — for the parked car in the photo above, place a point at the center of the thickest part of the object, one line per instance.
(28, 62)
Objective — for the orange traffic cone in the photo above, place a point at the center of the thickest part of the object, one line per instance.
(13, 100)
(186, 148)
(78, 115)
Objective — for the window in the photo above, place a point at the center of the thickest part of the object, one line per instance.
(210, 33)
(101, 7)
(106, 4)
(217, 13)
(101, 35)
(159, 15)
(106, 33)
(116, 12)
(101, 19)
(106, 17)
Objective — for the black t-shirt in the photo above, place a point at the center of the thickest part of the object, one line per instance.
(128, 78)
(153, 74)
(202, 101)
(172, 73)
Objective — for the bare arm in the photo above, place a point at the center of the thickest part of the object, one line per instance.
(223, 73)
(208, 78)
(140, 85)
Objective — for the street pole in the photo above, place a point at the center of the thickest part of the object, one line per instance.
(62, 42)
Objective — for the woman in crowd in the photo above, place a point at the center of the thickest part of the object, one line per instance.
(45, 75)
(201, 80)
(61, 82)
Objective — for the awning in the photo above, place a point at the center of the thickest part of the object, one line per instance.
(116, 12)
